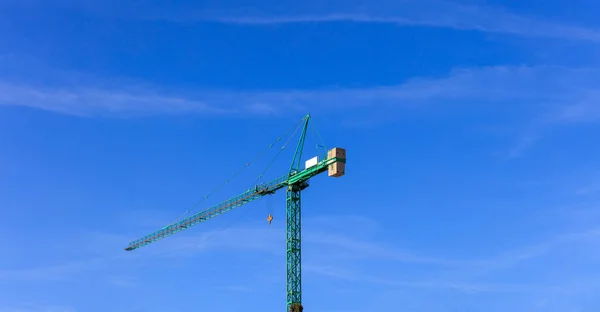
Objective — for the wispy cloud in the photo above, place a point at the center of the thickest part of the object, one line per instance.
(559, 90)
(90, 101)
(464, 274)
(60, 271)
(238, 288)
(432, 14)
(255, 239)
(589, 189)
(122, 281)
(360, 249)
(516, 256)
(550, 95)
(579, 105)
(426, 13)
(458, 284)
(525, 141)
(469, 276)
(36, 308)
(584, 111)
(459, 274)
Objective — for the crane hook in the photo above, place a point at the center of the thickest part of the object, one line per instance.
(269, 218)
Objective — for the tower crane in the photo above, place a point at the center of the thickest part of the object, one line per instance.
(294, 182)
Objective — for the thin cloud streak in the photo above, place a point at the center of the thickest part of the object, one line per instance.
(423, 13)
(569, 92)
(269, 241)
(474, 19)
(122, 281)
(90, 101)
(57, 272)
(461, 279)
(428, 13)
(478, 269)
(353, 276)
(36, 308)
(587, 190)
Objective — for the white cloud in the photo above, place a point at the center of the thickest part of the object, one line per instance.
(469, 276)
(269, 241)
(35, 308)
(585, 110)
(360, 249)
(122, 281)
(60, 271)
(447, 15)
(560, 88)
(467, 287)
(533, 251)
(265, 240)
(89, 101)
(479, 275)
(238, 288)
(428, 13)
(589, 189)
(549, 95)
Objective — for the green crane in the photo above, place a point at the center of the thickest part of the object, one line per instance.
(294, 182)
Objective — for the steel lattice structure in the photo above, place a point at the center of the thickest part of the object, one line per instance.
(294, 181)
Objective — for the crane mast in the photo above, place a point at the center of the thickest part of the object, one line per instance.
(294, 182)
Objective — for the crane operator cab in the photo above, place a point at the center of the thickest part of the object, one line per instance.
(269, 218)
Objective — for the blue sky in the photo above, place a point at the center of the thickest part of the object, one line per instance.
(471, 129)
